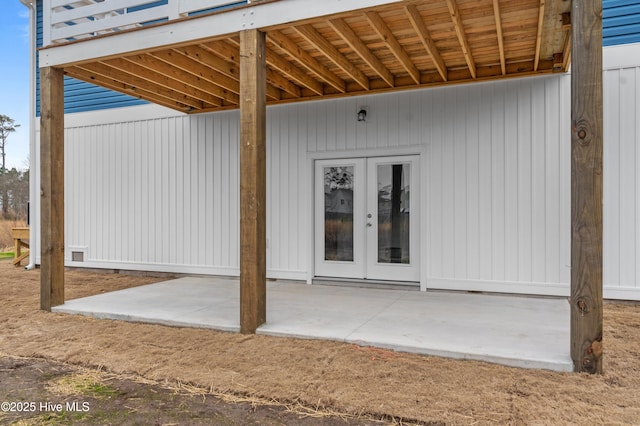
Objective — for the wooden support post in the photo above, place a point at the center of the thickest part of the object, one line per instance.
(51, 187)
(586, 186)
(253, 176)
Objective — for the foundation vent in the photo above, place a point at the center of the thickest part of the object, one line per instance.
(78, 253)
(77, 256)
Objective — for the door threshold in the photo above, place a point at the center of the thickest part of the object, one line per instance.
(367, 283)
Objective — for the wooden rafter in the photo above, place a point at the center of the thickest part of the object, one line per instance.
(230, 88)
(352, 39)
(290, 70)
(152, 63)
(231, 54)
(163, 80)
(498, 19)
(462, 36)
(142, 84)
(227, 50)
(324, 46)
(398, 45)
(398, 51)
(125, 87)
(200, 68)
(294, 73)
(539, 34)
(204, 56)
(566, 55)
(279, 81)
(566, 50)
(425, 37)
(306, 60)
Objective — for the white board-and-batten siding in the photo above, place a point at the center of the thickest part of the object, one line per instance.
(621, 174)
(147, 189)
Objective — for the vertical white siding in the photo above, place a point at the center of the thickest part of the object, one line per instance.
(492, 195)
(621, 247)
(161, 192)
(158, 193)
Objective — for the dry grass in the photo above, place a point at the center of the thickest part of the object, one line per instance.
(6, 238)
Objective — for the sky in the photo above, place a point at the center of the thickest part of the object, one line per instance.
(14, 79)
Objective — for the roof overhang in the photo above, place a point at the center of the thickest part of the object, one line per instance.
(319, 49)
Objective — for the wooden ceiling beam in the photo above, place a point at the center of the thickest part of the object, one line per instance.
(566, 21)
(109, 83)
(498, 19)
(156, 64)
(562, 60)
(306, 60)
(454, 12)
(229, 87)
(204, 56)
(392, 43)
(566, 53)
(539, 34)
(358, 46)
(279, 81)
(226, 49)
(293, 72)
(138, 82)
(395, 47)
(329, 50)
(288, 69)
(201, 69)
(207, 58)
(163, 80)
(276, 81)
(425, 37)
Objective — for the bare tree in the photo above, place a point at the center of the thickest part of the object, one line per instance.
(7, 126)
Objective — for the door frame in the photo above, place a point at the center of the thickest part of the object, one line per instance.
(417, 154)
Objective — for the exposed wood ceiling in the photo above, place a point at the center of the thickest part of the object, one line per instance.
(401, 46)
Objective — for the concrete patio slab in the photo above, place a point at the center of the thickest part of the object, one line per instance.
(527, 332)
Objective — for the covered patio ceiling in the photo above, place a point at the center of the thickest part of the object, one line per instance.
(404, 45)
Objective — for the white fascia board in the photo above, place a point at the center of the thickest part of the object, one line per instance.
(621, 56)
(259, 16)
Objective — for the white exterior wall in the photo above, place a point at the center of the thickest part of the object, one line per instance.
(155, 194)
(150, 190)
(499, 182)
(621, 247)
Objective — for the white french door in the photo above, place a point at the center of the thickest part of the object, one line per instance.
(367, 218)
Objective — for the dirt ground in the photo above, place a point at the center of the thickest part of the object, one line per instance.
(361, 384)
(45, 392)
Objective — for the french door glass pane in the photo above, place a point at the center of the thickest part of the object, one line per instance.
(393, 213)
(338, 213)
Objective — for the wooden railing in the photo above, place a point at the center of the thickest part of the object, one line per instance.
(19, 235)
(69, 20)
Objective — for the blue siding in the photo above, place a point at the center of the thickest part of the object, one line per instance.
(78, 95)
(621, 22)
